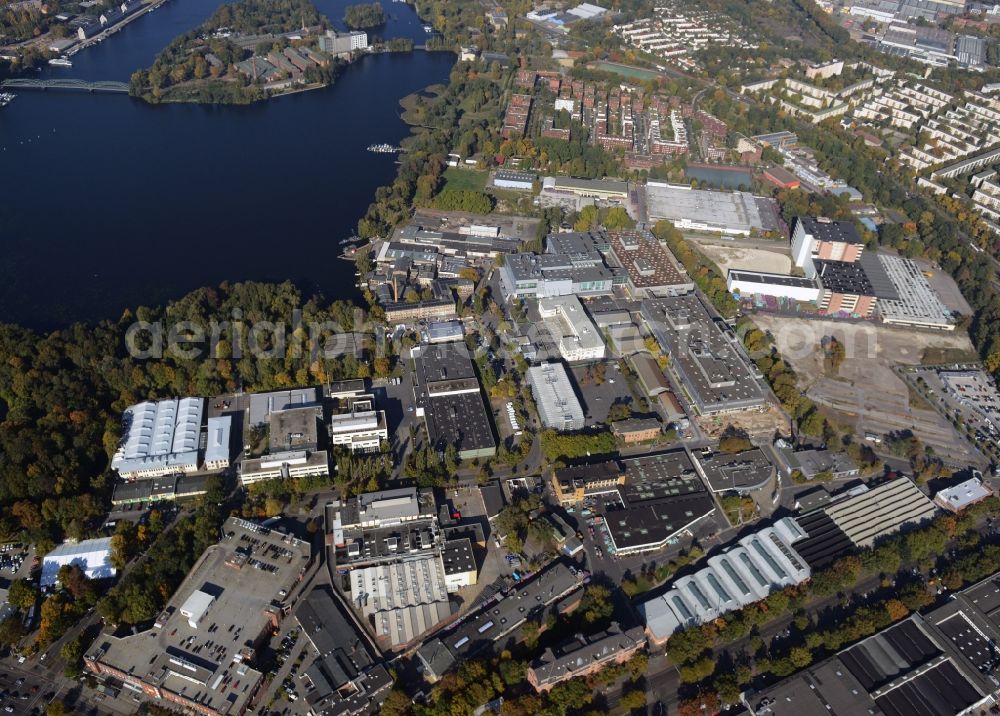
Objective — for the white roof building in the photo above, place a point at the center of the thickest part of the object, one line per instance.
(93, 556)
(160, 438)
(571, 327)
(962, 495)
(195, 606)
(555, 397)
(217, 449)
(747, 572)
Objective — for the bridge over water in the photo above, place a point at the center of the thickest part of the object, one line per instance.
(66, 84)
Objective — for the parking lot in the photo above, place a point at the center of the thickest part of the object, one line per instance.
(974, 408)
(596, 398)
(16, 561)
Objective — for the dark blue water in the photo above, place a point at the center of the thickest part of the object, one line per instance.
(108, 203)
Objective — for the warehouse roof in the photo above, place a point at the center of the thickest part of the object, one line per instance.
(93, 556)
(881, 511)
(161, 433)
(650, 374)
(747, 470)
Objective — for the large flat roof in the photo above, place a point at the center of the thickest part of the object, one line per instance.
(704, 354)
(649, 264)
(557, 403)
(263, 404)
(718, 210)
(245, 573)
(746, 470)
(830, 230)
(295, 429)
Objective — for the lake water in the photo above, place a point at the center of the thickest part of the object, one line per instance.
(108, 203)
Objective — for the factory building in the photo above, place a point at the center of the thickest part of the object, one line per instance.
(575, 334)
(359, 427)
(822, 238)
(746, 572)
(558, 406)
(159, 438)
(744, 284)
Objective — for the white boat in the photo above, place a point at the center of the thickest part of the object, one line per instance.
(5, 98)
(60, 62)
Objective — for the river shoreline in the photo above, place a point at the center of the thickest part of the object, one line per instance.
(214, 193)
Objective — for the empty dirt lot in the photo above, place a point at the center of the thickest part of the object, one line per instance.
(865, 392)
(738, 257)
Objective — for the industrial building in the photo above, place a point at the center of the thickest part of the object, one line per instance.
(651, 377)
(544, 275)
(575, 334)
(822, 238)
(744, 573)
(868, 514)
(719, 211)
(652, 270)
(583, 656)
(813, 462)
(459, 564)
(169, 487)
(338, 43)
(381, 527)
(263, 404)
(500, 617)
(359, 426)
(740, 472)
(444, 332)
(605, 189)
(93, 556)
(555, 397)
(845, 289)
(159, 438)
(346, 678)
(199, 653)
(450, 401)
(513, 179)
(218, 447)
(963, 495)
(401, 599)
(743, 284)
(293, 450)
(941, 663)
(646, 501)
(661, 498)
(707, 360)
(917, 304)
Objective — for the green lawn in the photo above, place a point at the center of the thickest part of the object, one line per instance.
(460, 179)
(637, 73)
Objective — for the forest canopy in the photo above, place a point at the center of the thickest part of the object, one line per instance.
(64, 392)
(364, 16)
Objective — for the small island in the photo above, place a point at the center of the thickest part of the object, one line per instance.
(249, 51)
(364, 16)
